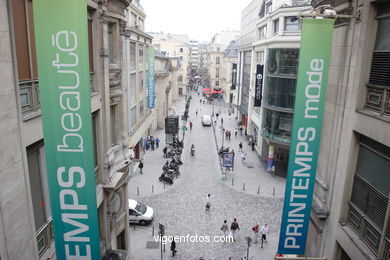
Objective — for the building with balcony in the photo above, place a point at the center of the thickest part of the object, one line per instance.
(194, 53)
(25, 216)
(229, 83)
(175, 45)
(216, 53)
(142, 120)
(166, 70)
(204, 63)
(276, 48)
(350, 216)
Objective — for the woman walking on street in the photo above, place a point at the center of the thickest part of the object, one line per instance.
(225, 228)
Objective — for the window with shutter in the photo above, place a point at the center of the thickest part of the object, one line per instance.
(26, 59)
(378, 87)
(368, 213)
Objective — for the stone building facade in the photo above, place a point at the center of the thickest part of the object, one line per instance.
(141, 119)
(26, 223)
(166, 71)
(175, 46)
(350, 217)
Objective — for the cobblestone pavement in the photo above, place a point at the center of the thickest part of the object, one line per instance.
(252, 173)
(154, 161)
(181, 208)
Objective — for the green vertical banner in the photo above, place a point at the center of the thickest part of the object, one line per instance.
(63, 65)
(150, 77)
(314, 58)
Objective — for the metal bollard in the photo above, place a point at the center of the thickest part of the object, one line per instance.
(232, 181)
(152, 188)
(258, 190)
(137, 190)
(153, 231)
(273, 192)
(243, 186)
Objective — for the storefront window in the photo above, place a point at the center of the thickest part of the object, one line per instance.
(282, 62)
(280, 92)
(277, 126)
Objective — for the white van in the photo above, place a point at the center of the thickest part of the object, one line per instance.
(206, 120)
(139, 213)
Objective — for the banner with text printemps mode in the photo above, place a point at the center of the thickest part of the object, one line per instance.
(314, 58)
(63, 66)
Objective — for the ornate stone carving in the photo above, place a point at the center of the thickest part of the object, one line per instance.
(115, 77)
(118, 6)
(122, 27)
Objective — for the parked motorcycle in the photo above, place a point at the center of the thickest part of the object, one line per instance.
(164, 177)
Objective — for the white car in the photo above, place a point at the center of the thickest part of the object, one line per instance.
(139, 213)
(206, 120)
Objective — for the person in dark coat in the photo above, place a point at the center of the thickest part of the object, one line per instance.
(253, 145)
(141, 166)
(173, 247)
(165, 151)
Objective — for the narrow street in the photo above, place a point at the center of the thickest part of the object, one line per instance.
(181, 207)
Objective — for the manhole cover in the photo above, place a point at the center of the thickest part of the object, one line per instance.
(152, 244)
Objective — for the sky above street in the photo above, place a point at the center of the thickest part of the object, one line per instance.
(199, 19)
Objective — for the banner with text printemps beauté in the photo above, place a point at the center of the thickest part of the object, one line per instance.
(150, 55)
(314, 58)
(63, 66)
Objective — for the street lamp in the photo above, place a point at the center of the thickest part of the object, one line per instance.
(223, 134)
(213, 107)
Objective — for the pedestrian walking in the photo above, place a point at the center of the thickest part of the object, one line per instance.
(253, 145)
(165, 151)
(233, 153)
(243, 156)
(240, 130)
(234, 227)
(141, 166)
(240, 146)
(235, 132)
(152, 143)
(196, 112)
(221, 120)
(230, 135)
(256, 233)
(225, 228)
(208, 204)
(146, 144)
(190, 125)
(157, 142)
(227, 135)
(173, 247)
(217, 115)
(200, 101)
(264, 232)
